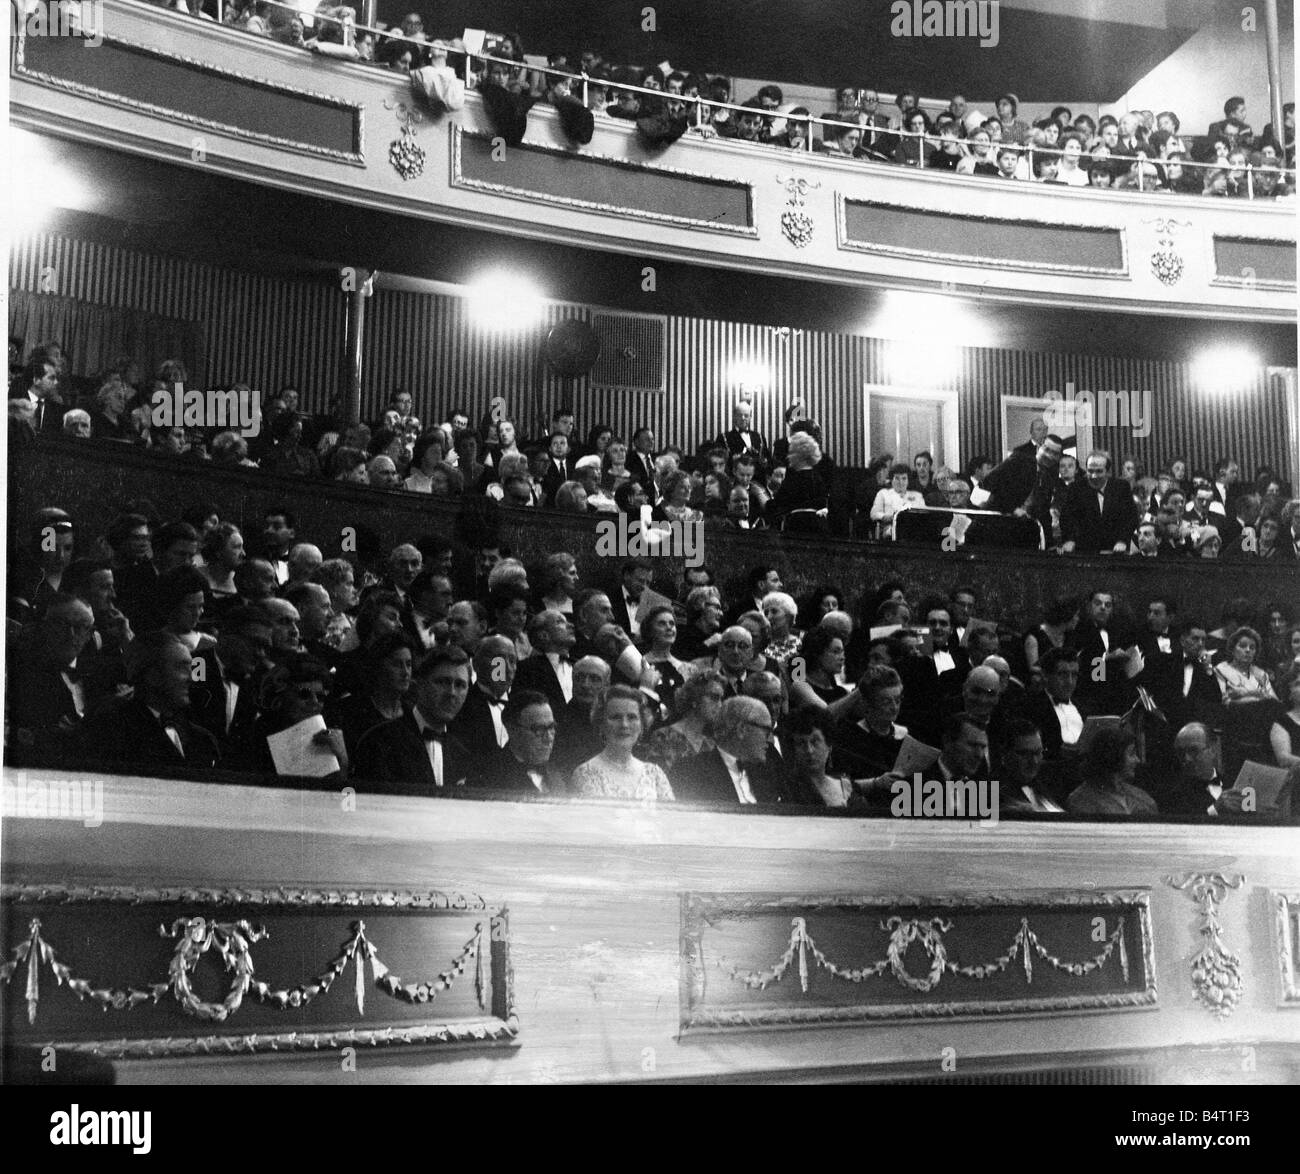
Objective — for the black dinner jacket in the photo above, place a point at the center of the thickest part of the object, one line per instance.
(1092, 528)
(535, 672)
(127, 733)
(1040, 710)
(642, 469)
(735, 444)
(473, 725)
(704, 778)
(238, 744)
(508, 775)
(552, 479)
(392, 757)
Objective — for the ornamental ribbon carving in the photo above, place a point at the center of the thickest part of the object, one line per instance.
(233, 943)
(1216, 971)
(795, 222)
(928, 932)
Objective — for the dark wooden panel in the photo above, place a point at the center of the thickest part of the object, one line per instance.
(193, 92)
(608, 185)
(1058, 248)
(1237, 258)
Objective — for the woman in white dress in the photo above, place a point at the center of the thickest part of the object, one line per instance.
(620, 717)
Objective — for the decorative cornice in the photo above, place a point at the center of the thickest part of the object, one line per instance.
(292, 897)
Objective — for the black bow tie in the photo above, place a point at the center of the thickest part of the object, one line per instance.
(495, 700)
(430, 734)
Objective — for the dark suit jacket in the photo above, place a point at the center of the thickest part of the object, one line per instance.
(642, 469)
(535, 672)
(507, 774)
(1094, 529)
(1114, 694)
(208, 707)
(39, 700)
(128, 734)
(704, 778)
(552, 479)
(51, 418)
(1039, 709)
(394, 758)
(1012, 482)
(473, 725)
(735, 444)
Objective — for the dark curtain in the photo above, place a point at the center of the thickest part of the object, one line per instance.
(93, 335)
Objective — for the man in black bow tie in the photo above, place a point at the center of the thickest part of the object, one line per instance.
(480, 723)
(549, 670)
(153, 726)
(415, 754)
(525, 765)
(48, 695)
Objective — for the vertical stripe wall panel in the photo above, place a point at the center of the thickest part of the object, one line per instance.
(269, 331)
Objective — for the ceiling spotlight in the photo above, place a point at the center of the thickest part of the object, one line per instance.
(750, 377)
(502, 300)
(913, 365)
(1225, 369)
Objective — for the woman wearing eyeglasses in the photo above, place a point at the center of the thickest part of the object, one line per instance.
(294, 692)
(621, 716)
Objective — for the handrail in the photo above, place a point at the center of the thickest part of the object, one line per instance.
(349, 27)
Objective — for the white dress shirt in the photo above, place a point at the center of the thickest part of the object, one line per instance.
(563, 673)
(633, 624)
(432, 748)
(77, 689)
(495, 708)
(943, 660)
(1071, 721)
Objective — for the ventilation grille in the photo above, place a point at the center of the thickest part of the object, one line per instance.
(633, 352)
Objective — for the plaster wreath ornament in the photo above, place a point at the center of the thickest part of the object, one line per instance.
(795, 222)
(1166, 262)
(405, 154)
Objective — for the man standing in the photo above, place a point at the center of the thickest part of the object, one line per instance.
(1100, 515)
(42, 379)
(415, 754)
(743, 438)
(1023, 484)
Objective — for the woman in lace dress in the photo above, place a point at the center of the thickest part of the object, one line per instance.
(620, 718)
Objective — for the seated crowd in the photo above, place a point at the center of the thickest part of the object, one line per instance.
(1139, 151)
(173, 642)
(444, 665)
(1070, 503)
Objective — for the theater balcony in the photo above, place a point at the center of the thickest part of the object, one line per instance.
(218, 101)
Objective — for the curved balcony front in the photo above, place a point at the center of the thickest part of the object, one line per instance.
(172, 88)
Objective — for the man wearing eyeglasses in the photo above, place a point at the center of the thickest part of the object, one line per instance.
(49, 698)
(736, 770)
(525, 767)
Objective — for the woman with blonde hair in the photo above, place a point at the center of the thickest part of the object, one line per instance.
(621, 717)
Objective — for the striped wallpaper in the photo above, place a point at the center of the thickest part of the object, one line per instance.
(271, 331)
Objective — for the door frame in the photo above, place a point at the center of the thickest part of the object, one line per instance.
(947, 401)
(1083, 435)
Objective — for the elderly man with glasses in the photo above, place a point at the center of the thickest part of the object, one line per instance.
(736, 770)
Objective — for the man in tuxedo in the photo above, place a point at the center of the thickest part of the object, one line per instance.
(153, 725)
(1059, 720)
(1226, 487)
(980, 700)
(404, 565)
(1104, 657)
(431, 598)
(416, 754)
(91, 581)
(1023, 484)
(1099, 514)
(549, 671)
(742, 437)
(635, 597)
(1187, 690)
(1146, 541)
(467, 624)
(1038, 431)
(946, 656)
(41, 377)
(1193, 786)
(641, 458)
(1233, 127)
(1021, 763)
(49, 697)
(480, 724)
(525, 766)
(736, 770)
(227, 680)
(560, 466)
(278, 533)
